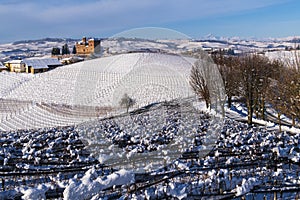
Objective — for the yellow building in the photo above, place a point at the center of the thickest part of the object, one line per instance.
(85, 48)
(16, 65)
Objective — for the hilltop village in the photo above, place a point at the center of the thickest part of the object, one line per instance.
(35, 56)
(59, 57)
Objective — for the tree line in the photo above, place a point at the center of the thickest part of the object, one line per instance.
(257, 81)
(64, 50)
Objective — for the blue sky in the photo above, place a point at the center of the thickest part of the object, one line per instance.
(34, 19)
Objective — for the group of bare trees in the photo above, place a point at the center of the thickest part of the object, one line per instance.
(257, 81)
(284, 92)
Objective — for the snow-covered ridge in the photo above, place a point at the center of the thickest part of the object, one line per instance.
(43, 47)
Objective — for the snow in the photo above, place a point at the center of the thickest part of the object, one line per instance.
(34, 193)
(90, 185)
(64, 84)
(38, 63)
(146, 77)
(32, 48)
(239, 112)
(288, 57)
(177, 190)
(43, 47)
(243, 157)
(8, 194)
(151, 131)
(247, 185)
(238, 145)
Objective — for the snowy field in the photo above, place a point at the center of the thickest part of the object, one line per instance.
(94, 87)
(288, 57)
(100, 79)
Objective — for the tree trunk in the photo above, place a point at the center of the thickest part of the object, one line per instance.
(279, 121)
(250, 111)
(293, 121)
(263, 117)
(207, 103)
(229, 101)
(257, 113)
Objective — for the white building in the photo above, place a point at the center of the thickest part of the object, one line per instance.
(32, 65)
(35, 65)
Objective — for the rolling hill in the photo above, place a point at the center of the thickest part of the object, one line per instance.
(94, 85)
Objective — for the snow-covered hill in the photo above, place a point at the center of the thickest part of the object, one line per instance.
(43, 47)
(147, 77)
(98, 83)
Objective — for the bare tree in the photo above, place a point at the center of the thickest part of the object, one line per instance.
(293, 85)
(228, 67)
(291, 81)
(199, 85)
(254, 72)
(206, 82)
(284, 91)
(293, 94)
(127, 102)
(276, 94)
(266, 70)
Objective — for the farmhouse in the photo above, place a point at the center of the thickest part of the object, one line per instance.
(32, 65)
(41, 65)
(85, 48)
(15, 65)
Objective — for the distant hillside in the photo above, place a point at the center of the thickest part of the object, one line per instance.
(33, 48)
(43, 47)
(44, 40)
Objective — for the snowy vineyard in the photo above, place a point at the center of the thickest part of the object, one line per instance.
(151, 136)
(101, 82)
(75, 93)
(15, 114)
(250, 162)
(63, 135)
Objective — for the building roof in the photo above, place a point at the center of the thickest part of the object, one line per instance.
(73, 58)
(89, 39)
(42, 63)
(14, 61)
